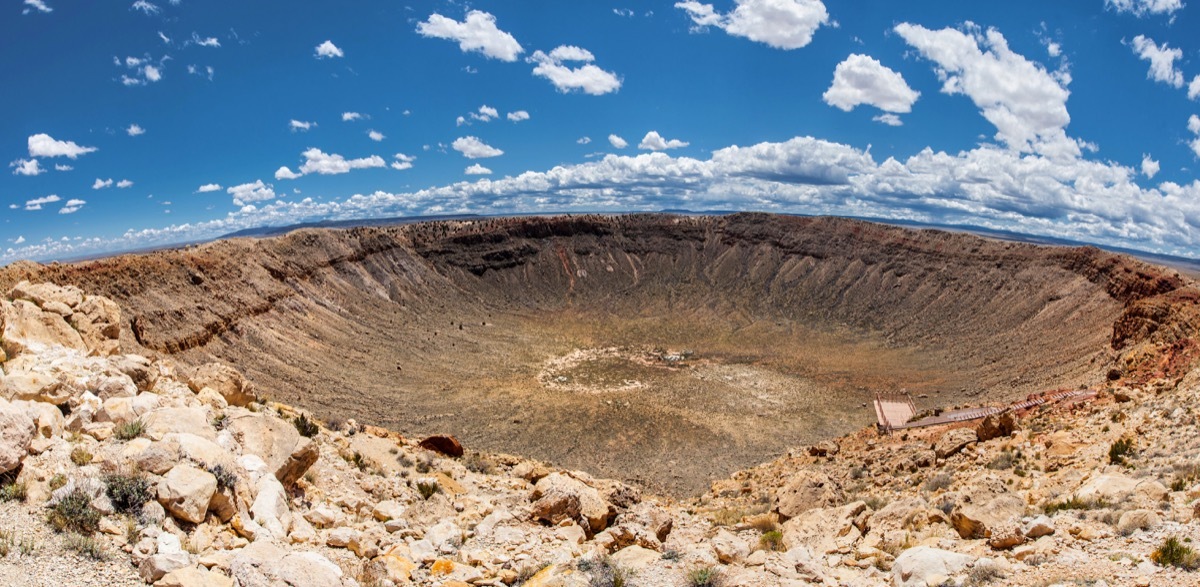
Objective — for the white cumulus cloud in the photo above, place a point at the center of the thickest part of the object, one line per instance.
(300, 125)
(251, 192)
(1194, 126)
(783, 24)
(1141, 8)
(655, 142)
(1162, 61)
(71, 206)
(124, 183)
(320, 162)
(860, 79)
(888, 119)
(27, 167)
(1149, 166)
(328, 50)
(478, 33)
(100, 184)
(1026, 103)
(43, 145)
(583, 140)
(37, 203)
(403, 161)
(520, 115)
(586, 78)
(135, 130)
(375, 135)
(473, 148)
(62, 167)
(351, 116)
(617, 142)
(286, 173)
(208, 187)
(151, 73)
(477, 169)
(38, 5)
(146, 7)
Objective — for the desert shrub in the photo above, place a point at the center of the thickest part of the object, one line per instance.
(1120, 450)
(11, 490)
(404, 460)
(1073, 503)
(6, 543)
(424, 464)
(80, 456)
(74, 512)
(671, 554)
(130, 430)
(127, 491)
(220, 421)
(57, 481)
(307, 428)
(226, 479)
(1174, 553)
(85, 546)
(428, 487)
(939, 481)
(359, 461)
(704, 577)
(479, 464)
(527, 572)
(983, 575)
(771, 541)
(1003, 461)
(875, 502)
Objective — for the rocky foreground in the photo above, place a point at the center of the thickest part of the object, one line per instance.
(123, 470)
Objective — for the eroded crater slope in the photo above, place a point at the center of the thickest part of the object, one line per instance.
(658, 349)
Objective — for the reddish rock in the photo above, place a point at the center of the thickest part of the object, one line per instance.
(445, 444)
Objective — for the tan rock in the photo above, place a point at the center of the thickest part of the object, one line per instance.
(186, 491)
(28, 328)
(824, 530)
(194, 577)
(558, 576)
(807, 490)
(155, 567)
(98, 321)
(41, 293)
(555, 497)
(163, 421)
(276, 441)
(226, 380)
(996, 426)
(398, 568)
(17, 430)
(973, 521)
(729, 548)
(953, 441)
(1135, 520)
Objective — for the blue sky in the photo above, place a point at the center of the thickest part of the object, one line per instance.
(136, 124)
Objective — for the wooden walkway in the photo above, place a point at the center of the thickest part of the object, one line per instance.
(889, 424)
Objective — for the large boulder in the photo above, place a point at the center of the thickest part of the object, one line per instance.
(444, 444)
(186, 491)
(561, 575)
(194, 577)
(996, 426)
(43, 293)
(952, 442)
(825, 530)
(266, 564)
(558, 497)
(17, 429)
(164, 421)
(226, 380)
(807, 490)
(98, 322)
(270, 508)
(1113, 489)
(924, 565)
(981, 520)
(34, 386)
(276, 441)
(729, 548)
(28, 328)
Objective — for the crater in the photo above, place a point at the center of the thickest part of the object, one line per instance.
(663, 350)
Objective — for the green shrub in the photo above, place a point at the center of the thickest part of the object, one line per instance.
(57, 481)
(13, 491)
(1120, 451)
(80, 456)
(74, 512)
(428, 487)
(130, 430)
(128, 492)
(85, 546)
(703, 577)
(771, 541)
(1074, 503)
(1173, 553)
(307, 428)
